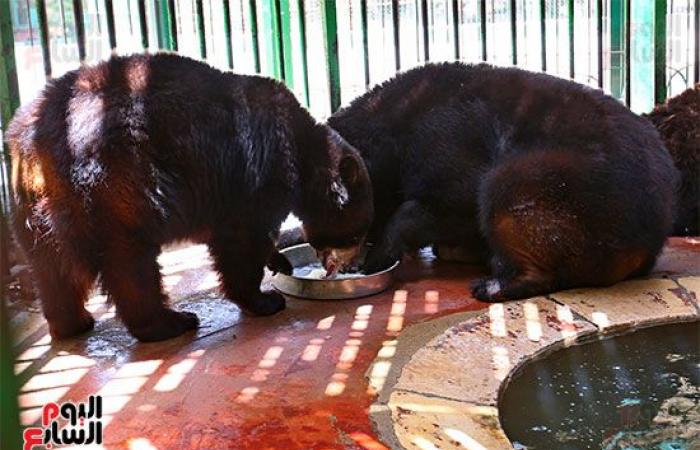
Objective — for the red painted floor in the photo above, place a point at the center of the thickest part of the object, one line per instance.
(292, 381)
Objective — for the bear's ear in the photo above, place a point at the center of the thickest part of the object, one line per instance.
(349, 170)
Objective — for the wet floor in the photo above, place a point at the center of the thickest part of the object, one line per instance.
(637, 391)
(296, 380)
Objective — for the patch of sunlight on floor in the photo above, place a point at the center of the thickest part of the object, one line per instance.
(43, 381)
(398, 308)
(52, 379)
(380, 369)
(247, 394)
(533, 326)
(366, 441)
(498, 320)
(312, 350)
(261, 373)
(325, 323)
(67, 362)
(141, 444)
(501, 362)
(349, 352)
(432, 302)
(464, 439)
(177, 372)
(423, 443)
(127, 381)
(181, 259)
(566, 322)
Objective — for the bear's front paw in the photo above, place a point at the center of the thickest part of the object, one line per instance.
(377, 261)
(279, 263)
(264, 304)
(71, 326)
(167, 324)
(487, 290)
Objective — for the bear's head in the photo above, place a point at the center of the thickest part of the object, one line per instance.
(338, 207)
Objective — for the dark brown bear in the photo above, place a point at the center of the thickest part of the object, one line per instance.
(558, 185)
(678, 122)
(112, 161)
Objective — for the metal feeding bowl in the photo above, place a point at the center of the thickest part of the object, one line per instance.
(303, 255)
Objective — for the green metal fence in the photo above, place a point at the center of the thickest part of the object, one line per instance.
(329, 51)
(619, 45)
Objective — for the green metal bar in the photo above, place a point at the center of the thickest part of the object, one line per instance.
(161, 29)
(253, 20)
(163, 23)
(482, 29)
(143, 24)
(285, 26)
(44, 36)
(660, 11)
(330, 38)
(111, 31)
(365, 39)
(201, 30)
(514, 30)
(301, 11)
(543, 33)
(617, 40)
(280, 43)
(227, 33)
(129, 16)
(273, 51)
(9, 102)
(572, 61)
(697, 41)
(79, 28)
(628, 52)
(395, 21)
(97, 19)
(9, 420)
(62, 10)
(29, 22)
(599, 30)
(456, 29)
(426, 30)
(172, 18)
(9, 88)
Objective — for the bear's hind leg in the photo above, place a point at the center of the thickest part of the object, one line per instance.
(528, 253)
(63, 290)
(511, 283)
(131, 277)
(63, 275)
(240, 259)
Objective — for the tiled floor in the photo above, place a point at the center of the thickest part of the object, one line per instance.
(294, 380)
(447, 384)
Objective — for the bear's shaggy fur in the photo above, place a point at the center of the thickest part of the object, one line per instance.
(114, 160)
(678, 122)
(558, 185)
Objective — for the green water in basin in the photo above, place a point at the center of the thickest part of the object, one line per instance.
(638, 391)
